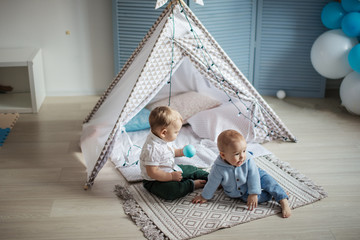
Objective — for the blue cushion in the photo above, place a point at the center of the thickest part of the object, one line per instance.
(139, 122)
(4, 132)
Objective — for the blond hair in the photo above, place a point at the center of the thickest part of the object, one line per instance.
(227, 138)
(162, 117)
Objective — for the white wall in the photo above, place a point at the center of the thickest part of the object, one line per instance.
(77, 64)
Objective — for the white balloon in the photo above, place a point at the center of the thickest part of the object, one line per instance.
(281, 94)
(329, 54)
(350, 92)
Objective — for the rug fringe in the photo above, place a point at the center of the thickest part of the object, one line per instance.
(132, 208)
(285, 166)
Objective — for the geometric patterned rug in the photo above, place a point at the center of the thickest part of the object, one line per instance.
(181, 219)
(7, 121)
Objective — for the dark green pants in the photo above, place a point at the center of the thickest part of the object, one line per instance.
(173, 190)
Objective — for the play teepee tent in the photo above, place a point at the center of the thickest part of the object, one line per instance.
(177, 38)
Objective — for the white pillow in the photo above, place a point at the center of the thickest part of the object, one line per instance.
(210, 123)
(187, 104)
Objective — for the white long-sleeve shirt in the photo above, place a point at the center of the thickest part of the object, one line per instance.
(236, 181)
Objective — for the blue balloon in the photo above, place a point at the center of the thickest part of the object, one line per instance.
(332, 14)
(351, 24)
(189, 151)
(351, 5)
(354, 58)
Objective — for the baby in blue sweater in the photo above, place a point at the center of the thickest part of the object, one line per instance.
(240, 177)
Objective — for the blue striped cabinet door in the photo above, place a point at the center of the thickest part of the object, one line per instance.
(232, 24)
(131, 21)
(286, 31)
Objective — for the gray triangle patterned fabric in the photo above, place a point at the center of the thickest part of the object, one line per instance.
(153, 74)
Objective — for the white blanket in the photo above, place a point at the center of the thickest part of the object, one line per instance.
(126, 152)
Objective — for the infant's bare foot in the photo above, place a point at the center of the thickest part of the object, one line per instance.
(199, 183)
(286, 211)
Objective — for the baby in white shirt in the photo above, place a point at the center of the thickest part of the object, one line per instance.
(162, 176)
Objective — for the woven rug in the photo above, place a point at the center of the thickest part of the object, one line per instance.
(181, 219)
(7, 121)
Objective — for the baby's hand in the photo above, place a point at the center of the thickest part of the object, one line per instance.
(199, 199)
(176, 176)
(252, 201)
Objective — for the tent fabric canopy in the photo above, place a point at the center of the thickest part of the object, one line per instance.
(176, 37)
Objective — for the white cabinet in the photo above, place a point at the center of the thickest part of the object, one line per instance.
(22, 69)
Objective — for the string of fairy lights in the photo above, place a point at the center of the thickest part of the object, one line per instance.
(212, 67)
(172, 51)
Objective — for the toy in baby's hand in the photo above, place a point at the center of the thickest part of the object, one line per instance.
(189, 151)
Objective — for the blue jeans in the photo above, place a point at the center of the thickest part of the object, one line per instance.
(270, 188)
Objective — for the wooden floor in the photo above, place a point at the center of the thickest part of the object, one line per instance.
(42, 174)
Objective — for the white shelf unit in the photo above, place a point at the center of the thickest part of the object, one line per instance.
(22, 68)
